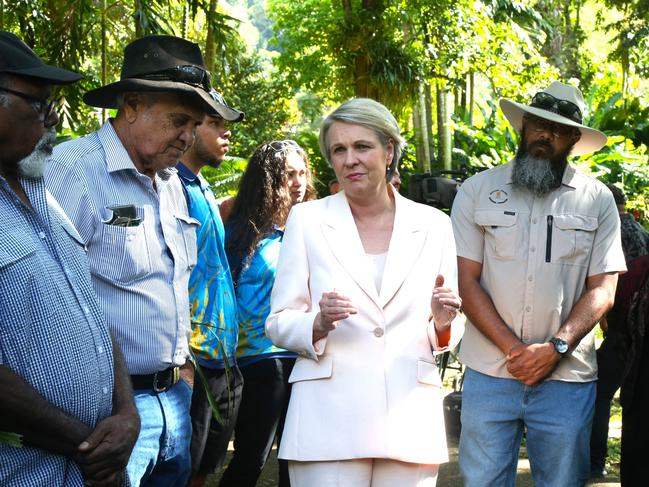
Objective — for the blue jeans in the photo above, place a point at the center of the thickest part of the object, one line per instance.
(555, 415)
(161, 457)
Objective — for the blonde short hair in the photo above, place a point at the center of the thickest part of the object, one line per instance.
(372, 115)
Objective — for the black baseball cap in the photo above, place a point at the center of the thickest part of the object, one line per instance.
(17, 58)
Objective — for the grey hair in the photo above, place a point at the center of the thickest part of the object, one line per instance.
(372, 115)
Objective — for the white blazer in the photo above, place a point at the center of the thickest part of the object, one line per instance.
(370, 389)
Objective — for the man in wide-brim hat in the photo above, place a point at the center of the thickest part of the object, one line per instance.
(539, 252)
(119, 186)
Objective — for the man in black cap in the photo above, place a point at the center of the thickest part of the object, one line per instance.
(63, 385)
(119, 187)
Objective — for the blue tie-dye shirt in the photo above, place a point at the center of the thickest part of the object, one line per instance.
(253, 301)
(211, 293)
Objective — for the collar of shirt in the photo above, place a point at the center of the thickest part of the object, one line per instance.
(188, 176)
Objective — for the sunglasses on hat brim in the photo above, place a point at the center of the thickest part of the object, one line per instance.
(565, 108)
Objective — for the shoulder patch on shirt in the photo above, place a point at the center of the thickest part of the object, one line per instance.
(498, 196)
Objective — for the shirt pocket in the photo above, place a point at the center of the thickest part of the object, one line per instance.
(122, 253)
(19, 280)
(187, 227)
(570, 239)
(501, 232)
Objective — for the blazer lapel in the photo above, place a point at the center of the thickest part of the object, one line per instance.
(341, 234)
(406, 244)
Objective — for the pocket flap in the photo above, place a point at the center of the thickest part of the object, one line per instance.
(427, 373)
(308, 369)
(9, 255)
(187, 219)
(495, 218)
(576, 222)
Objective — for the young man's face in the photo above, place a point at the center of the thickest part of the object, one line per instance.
(212, 141)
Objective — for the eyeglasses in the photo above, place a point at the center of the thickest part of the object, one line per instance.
(188, 74)
(563, 107)
(542, 125)
(41, 106)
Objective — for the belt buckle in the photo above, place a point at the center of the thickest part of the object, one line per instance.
(172, 377)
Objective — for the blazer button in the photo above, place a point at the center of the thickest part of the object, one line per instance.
(378, 332)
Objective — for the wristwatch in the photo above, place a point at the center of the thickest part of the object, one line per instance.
(561, 346)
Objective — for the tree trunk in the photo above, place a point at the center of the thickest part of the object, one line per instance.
(443, 128)
(139, 32)
(471, 97)
(429, 124)
(420, 156)
(423, 110)
(2, 14)
(209, 40)
(103, 53)
(185, 20)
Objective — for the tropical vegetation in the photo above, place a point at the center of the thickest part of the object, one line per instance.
(440, 65)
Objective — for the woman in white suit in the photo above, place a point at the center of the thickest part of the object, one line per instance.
(360, 296)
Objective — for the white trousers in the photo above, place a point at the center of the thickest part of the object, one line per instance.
(363, 472)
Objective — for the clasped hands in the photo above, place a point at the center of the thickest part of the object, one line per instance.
(103, 455)
(531, 363)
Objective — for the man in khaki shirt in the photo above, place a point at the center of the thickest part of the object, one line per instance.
(539, 250)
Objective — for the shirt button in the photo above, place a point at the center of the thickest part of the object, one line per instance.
(86, 310)
(532, 249)
(100, 349)
(530, 278)
(130, 237)
(104, 390)
(534, 220)
(41, 235)
(378, 332)
(528, 308)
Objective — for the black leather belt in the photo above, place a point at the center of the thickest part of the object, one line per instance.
(159, 382)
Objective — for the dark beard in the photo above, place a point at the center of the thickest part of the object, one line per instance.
(537, 174)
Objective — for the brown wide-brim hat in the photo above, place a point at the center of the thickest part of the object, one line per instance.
(164, 64)
(591, 139)
(18, 59)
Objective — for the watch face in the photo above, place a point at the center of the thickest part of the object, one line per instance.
(560, 345)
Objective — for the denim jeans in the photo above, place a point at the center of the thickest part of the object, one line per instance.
(555, 415)
(161, 454)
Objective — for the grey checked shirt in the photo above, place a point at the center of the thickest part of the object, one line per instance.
(52, 330)
(140, 273)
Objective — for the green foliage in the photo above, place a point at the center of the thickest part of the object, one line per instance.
(11, 439)
(225, 179)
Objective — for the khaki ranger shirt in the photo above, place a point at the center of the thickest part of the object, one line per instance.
(536, 253)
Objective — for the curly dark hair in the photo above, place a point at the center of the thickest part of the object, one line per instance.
(262, 203)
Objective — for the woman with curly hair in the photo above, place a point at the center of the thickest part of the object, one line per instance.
(277, 177)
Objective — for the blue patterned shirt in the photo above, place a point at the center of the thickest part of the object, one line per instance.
(253, 301)
(52, 330)
(211, 293)
(140, 273)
